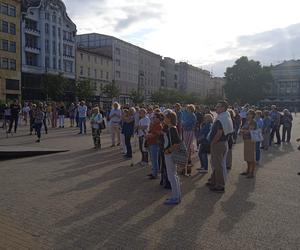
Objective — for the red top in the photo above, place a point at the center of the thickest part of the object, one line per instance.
(154, 132)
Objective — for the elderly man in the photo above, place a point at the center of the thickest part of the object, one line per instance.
(221, 128)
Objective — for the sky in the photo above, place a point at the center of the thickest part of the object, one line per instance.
(210, 34)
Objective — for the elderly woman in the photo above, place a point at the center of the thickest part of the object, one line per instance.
(287, 120)
(189, 121)
(249, 145)
(115, 120)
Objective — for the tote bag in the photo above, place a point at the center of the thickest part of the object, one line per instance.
(180, 156)
(256, 135)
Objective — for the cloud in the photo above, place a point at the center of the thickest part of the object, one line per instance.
(268, 47)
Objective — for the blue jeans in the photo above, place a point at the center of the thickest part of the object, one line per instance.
(154, 158)
(38, 127)
(82, 123)
(173, 177)
(203, 160)
(257, 154)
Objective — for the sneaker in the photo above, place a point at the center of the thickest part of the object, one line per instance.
(38, 140)
(203, 171)
(244, 173)
(172, 202)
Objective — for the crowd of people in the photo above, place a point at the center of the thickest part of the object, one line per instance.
(163, 133)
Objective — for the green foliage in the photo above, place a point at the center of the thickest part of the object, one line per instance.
(247, 81)
(165, 96)
(136, 97)
(111, 90)
(53, 86)
(84, 89)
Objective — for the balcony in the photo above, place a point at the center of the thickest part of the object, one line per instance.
(68, 56)
(32, 31)
(68, 41)
(33, 50)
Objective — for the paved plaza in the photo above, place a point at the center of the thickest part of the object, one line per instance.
(88, 199)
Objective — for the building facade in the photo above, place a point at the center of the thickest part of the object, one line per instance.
(169, 73)
(95, 68)
(48, 44)
(193, 79)
(216, 87)
(10, 45)
(125, 58)
(285, 89)
(149, 74)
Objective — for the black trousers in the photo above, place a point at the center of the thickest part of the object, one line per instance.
(12, 120)
(128, 145)
(163, 169)
(275, 130)
(286, 131)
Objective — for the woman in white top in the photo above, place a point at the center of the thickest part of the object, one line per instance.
(115, 120)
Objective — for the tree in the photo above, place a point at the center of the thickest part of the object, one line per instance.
(53, 86)
(247, 81)
(84, 89)
(111, 90)
(136, 97)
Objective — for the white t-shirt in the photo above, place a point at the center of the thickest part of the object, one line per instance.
(144, 122)
(115, 119)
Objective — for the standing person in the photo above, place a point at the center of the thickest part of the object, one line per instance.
(128, 130)
(178, 111)
(188, 126)
(38, 121)
(275, 125)
(96, 121)
(72, 114)
(77, 115)
(31, 118)
(122, 136)
(82, 114)
(54, 115)
(61, 115)
(230, 142)
(204, 143)
(287, 120)
(44, 109)
(260, 125)
(266, 130)
(115, 120)
(249, 145)
(25, 111)
(7, 116)
(15, 111)
(236, 125)
(171, 144)
(49, 113)
(219, 147)
(152, 141)
(143, 129)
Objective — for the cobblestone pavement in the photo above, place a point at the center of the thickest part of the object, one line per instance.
(86, 199)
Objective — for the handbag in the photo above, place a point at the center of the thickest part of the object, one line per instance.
(256, 135)
(180, 156)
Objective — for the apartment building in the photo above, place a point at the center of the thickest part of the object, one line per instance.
(193, 79)
(93, 67)
(10, 45)
(48, 44)
(216, 87)
(169, 73)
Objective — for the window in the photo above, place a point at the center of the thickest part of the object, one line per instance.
(47, 16)
(68, 66)
(12, 65)
(12, 28)
(4, 45)
(47, 62)
(47, 46)
(118, 51)
(12, 46)
(53, 31)
(12, 84)
(31, 59)
(59, 64)
(4, 63)
(54, 18)
(12, 10)
(59, 49)
(81, 70)
(118, 62)
(59, 20)
(89, 71)
(101, 74)
(54, 63)
(107, 75)
(95, 73)
(118, 74)
(46, 28)
(4, 8)
(81, 56)
(4, 26)
(58, 32)
(54, 47)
